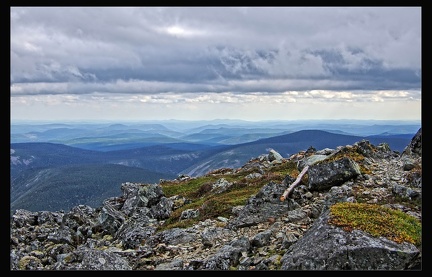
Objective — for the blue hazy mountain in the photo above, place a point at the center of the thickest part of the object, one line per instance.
(288, 144)
(70, 159)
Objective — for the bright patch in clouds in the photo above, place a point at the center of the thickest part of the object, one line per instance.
(178, 31)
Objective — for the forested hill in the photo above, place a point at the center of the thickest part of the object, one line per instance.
(41, 170)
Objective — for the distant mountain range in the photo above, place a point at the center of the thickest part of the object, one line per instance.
(108, 136)
(85, 163)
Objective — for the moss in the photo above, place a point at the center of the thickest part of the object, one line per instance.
(210, 205)
(354, 153)
(377, 220)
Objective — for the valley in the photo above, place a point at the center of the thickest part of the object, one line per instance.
(56, 166)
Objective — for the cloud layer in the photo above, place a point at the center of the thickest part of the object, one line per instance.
(215, 55)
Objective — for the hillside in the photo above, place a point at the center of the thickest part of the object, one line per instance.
(25, 156)
(357, 207)
(236, 155)
(61, 188)
(41, 167)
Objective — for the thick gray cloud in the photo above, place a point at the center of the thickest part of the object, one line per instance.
(370, 48)
(160, 50)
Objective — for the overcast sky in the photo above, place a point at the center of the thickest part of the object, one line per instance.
(252, 63)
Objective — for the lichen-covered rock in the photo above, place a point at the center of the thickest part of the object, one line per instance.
(327, 247)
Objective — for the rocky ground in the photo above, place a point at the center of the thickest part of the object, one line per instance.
(265, 234)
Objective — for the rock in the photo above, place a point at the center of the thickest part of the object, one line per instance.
(264, 234)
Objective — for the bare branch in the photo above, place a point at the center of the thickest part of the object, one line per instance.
(294, 184)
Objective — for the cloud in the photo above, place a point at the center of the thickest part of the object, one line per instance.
(217, 53)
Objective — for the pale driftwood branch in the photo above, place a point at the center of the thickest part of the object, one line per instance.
(295, 183)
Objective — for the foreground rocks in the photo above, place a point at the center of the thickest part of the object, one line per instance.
(265, 234)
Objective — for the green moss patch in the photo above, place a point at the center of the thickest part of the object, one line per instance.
(377, 220)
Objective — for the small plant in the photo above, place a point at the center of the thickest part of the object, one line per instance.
(377, 220)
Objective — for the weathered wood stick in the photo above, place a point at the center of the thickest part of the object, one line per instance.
(295, 183)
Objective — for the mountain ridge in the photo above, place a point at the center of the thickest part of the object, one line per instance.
(358, 207)
(167, 159)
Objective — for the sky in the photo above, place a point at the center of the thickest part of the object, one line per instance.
(204, 63)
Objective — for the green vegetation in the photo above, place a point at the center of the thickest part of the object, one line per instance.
(377, 220)
(211, 205)
(354, 153)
